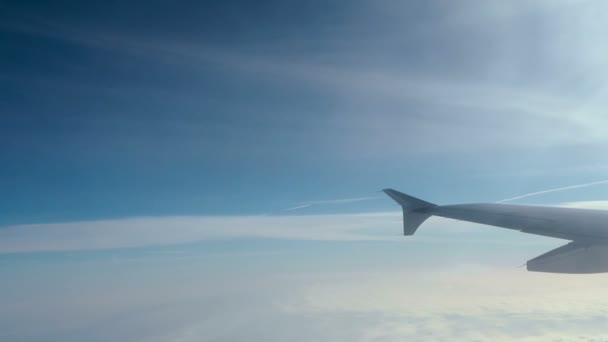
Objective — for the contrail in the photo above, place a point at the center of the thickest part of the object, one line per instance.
(335, 201)
(570, 187)
(344, 200)
(298, 207)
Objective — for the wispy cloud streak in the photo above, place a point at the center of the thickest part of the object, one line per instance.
(565, 188)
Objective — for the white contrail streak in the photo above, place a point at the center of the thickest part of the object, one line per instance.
(298, 207)
(570, 187)
(335, 201)
(343, 200)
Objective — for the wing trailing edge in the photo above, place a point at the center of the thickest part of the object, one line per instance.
(574, 257)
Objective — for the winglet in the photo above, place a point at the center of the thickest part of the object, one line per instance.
(414, 210)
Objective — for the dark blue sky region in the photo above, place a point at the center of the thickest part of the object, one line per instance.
(117, 109)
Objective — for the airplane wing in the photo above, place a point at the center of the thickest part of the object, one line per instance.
(586, 228)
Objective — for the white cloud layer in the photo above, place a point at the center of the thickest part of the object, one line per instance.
(146, 231)
(371, 305)
(271, 295)
(152, 231)
(139, 232)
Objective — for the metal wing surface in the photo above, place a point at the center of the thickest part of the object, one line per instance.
(586, 228)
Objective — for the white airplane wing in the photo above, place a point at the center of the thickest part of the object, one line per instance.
(586, 228)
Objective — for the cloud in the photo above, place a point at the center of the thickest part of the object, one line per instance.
(153, 231)
(463, 304)
(195, 294)
(393, 304)
(146, 231)
(158, 231)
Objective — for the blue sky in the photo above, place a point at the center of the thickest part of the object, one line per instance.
(117, 110)
(171, 137)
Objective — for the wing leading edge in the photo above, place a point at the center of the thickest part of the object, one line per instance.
(585, 227)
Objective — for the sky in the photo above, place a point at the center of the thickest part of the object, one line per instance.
(197, 170)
